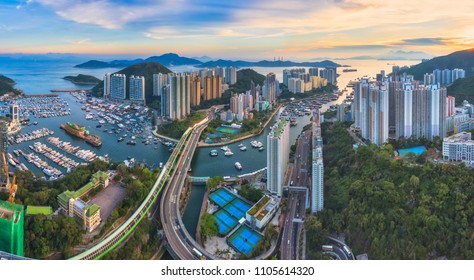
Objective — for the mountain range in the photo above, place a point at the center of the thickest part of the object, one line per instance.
(171, 59)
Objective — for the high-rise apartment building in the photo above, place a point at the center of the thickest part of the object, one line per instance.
(450, 102)
(277, 156)
(159, 82)
(107, 85)
(212, 87)
(269, 94)
(179, 96)
(137, 89)
(230, 76)
(317, 166)
(118, 86)
(195, 91)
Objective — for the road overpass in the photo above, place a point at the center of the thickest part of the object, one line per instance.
(180, 244)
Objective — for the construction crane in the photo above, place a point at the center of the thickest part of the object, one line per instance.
(11, 186)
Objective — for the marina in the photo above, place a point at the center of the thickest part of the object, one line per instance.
(30, 136)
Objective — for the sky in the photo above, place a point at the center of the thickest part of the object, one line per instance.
(244, 29)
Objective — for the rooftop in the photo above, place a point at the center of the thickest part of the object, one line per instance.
(278, 128)
(92, 209)
(39, 210)
(462, 137)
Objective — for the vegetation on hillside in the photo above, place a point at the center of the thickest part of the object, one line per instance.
(244, 79)
(463, 89)
(6, 80)
(208, 226)
(175, 129)
(6, 86)
(250, 193)
(146, 69)
(395, 209)
(461, 59)
(82, 79)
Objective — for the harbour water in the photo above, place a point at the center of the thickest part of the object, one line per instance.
(116, 151)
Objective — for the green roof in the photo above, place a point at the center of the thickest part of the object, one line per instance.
(37, 210)
(65, 196)
(92, 209)
(279, 128)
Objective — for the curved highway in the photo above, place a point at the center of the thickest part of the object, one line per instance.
(180, 244)
(122, 232)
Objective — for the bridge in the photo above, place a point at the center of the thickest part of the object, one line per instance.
(198, 180)
(121, 233)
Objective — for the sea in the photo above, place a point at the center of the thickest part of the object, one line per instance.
(41, 76)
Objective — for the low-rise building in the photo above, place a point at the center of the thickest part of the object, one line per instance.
(72, 204)
(459, 147)
(262, 212)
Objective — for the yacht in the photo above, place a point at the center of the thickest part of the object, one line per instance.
(228, 153)
(241, 145)
(214, 153)
(261, 148)
(224, 148)
(243, 148)
(238, 166)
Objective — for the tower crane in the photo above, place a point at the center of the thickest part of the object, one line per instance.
(11, 186)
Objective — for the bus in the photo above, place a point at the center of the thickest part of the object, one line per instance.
(198, 254)
(346, 250)
(327, 248)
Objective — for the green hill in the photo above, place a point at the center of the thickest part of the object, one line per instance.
(146, 69)
(244, 78)
(6, 86)
(461, 59)
(6, 80)
(82, 79)
(462, 89)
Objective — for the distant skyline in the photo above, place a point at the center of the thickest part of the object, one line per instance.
(257, 29)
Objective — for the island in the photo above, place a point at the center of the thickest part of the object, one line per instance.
(82, 79)
(6, 86)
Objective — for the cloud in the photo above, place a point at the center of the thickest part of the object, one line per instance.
(423, 41)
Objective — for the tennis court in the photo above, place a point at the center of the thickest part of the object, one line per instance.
(228, 130)
(225, 221)
(237, 208)
(221, 197)
(416, 150)
(244, 240)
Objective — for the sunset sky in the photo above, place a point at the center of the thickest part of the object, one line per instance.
(249, 29)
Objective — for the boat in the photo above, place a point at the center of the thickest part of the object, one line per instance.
(161, 164)
(240, 145)
(224, 148)
(131, 142)
(11, 162)
(35, 123)
(243, 148)
(120, 139)
(133, 137)
(228, 153)
(48, 172)
(81, 132)
(261, 149)
(214, 153)
(238, 166)
(98, 126)
(89, 117)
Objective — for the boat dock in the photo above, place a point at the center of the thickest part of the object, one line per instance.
(85, 155)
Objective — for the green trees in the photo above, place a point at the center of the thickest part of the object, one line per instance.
(316, 236)
(250, 193)
(214, 182)
(395, 209)
(208, 225)
(44, 236)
